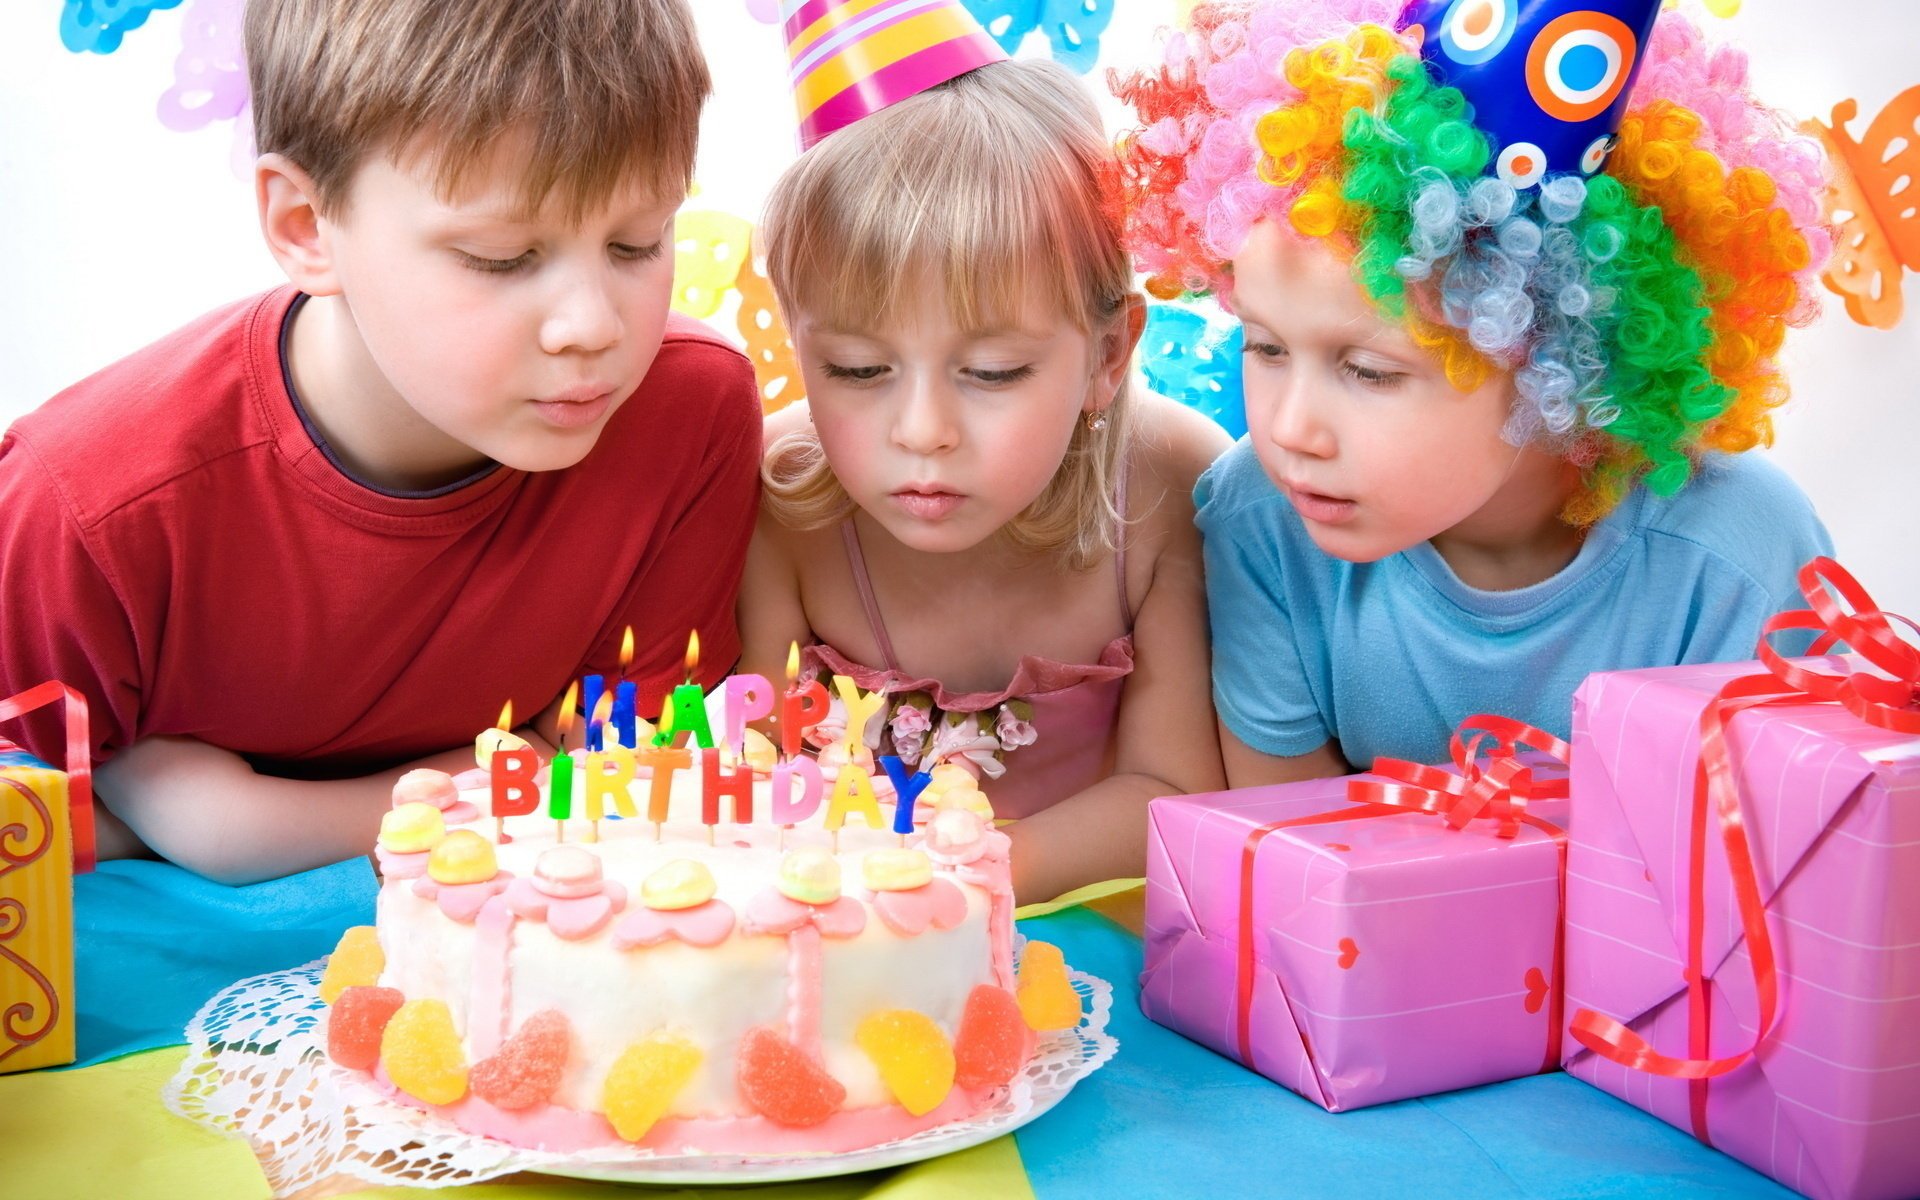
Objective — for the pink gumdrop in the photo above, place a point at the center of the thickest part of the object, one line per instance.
(567, 873)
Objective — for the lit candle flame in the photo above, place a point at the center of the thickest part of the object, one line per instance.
(626, 650)
(603, 709)
(793, 662)
(693, 652)
(567, 704)
(506, 716)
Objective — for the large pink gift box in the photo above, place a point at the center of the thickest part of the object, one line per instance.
(1830, 1103)
(1388, 956)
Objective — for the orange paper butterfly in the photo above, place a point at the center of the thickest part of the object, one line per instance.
(1873, 203)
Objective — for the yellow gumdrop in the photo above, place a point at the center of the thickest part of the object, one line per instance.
(896, 870)
(913, 1055)
(463, 856)
(1047, 999)
(411, 828)
(421, 1052)
(645, 1079)
(356, 962)
(682, 883)
(810, 875)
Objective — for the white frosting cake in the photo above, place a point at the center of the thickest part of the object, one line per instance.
(687, 988)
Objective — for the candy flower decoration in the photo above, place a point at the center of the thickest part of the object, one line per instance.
(806, 893)
(462, 875)
(907, 896)
(568, 892)
(678, 902)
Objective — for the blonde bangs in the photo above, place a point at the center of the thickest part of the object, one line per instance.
(990, 189)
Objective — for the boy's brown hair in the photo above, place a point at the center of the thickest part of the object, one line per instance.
(607, 92)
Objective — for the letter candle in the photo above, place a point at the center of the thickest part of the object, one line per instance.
(663, 761)
(624, 696)
(804, 705)
(749, 698)
(513, 791)
(686, 709)
(783, 809)
(608, 775)
(595, 685)
(560, 770)
(907, 787)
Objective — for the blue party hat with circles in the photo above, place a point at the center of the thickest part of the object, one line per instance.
(1548, 79)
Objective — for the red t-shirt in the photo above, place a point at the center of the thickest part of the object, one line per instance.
(177, 547)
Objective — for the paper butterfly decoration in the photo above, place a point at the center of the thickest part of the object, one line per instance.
(1073, 27)
(1196, 362)
(98, 25)
(1874, 202)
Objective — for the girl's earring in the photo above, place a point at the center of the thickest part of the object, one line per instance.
(1096, 421)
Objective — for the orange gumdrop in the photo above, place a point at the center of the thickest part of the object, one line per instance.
(995, 1040)
(356, 962)
(1046, 995)
(354, 1025)
(526, 1069)
(783, 1084)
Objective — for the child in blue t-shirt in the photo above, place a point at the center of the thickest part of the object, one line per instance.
(1497, 378)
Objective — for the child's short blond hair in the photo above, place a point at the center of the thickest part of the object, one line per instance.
(991, 185)
(607, 92)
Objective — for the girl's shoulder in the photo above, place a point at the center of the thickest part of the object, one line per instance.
(1171, 447)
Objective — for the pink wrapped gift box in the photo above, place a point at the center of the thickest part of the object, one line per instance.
(1392, 956)
(1830, 1103)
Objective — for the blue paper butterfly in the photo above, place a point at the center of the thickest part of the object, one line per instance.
(1072, 26)
(1194, 361)
(98, 25)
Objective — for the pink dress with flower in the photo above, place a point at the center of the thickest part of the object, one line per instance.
(1065, 744)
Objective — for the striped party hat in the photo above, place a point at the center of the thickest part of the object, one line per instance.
(849, 58)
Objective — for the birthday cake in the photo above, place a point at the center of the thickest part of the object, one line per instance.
(583, 954)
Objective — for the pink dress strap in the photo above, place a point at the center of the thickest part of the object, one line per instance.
(1120, 550)
(857, 561)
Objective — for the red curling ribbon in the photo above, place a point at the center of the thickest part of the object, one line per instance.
(1886, 703)
(79, 760)
(1496, 787)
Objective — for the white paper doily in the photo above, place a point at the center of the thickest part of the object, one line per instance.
(257, 1069)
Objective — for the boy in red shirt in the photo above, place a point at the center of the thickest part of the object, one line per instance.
(322, 535)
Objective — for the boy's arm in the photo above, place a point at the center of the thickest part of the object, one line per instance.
(209, 811)
(1247, 767)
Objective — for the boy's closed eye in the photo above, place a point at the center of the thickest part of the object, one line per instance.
(621, 251)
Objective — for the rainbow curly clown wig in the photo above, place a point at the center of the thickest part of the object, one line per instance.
(1640, 310)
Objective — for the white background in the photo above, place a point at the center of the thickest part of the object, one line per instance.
(114, 229)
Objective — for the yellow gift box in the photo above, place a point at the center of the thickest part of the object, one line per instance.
(46, 835)
(36, 914)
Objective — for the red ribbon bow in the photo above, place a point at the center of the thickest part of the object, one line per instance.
(1887, 703)
(79, 760)
(1496, 787)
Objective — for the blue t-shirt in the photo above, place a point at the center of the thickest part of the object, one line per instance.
(1386, 658)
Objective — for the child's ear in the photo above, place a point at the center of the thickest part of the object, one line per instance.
(1115, 351)
(297, 236)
